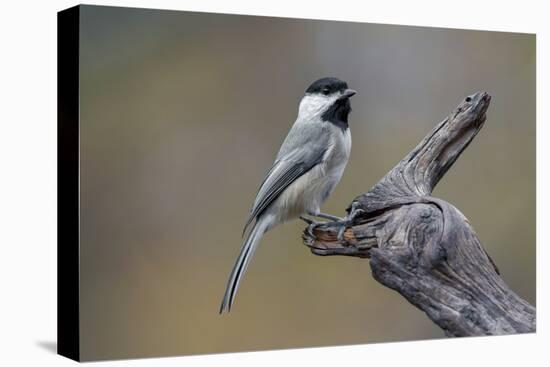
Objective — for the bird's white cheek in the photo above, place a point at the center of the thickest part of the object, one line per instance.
(314, 105)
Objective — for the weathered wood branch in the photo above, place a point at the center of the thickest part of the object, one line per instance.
(423, 247)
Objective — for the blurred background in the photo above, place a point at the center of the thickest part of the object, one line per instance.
(181, 116)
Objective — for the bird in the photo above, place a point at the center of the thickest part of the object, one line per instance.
(307, 168)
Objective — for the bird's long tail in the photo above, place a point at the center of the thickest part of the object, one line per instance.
(247, 250)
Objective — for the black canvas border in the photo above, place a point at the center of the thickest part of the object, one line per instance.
(68, 214)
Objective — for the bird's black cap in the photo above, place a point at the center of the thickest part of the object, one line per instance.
(327, 85)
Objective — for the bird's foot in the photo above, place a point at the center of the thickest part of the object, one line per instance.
(330, 217)
(343, 223)
(312, 224)
(347, 223)
(306, 219)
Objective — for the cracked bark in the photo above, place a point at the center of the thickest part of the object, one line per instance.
(423, 247)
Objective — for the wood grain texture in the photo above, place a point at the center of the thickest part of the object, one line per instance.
(423, 247)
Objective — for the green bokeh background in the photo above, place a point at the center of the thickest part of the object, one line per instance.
(181, 116)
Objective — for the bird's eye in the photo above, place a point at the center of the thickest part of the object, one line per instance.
(326, 91)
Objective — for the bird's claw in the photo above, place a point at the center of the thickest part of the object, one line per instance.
(341, 232)
(344, 223)
(347, 223)
(311, 225)
(306, 219)
(311, 228)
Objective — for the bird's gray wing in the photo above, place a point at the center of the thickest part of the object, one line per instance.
(302, 150)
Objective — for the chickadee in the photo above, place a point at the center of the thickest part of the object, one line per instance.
(308, 167)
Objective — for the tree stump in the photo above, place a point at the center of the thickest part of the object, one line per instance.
(423, 247)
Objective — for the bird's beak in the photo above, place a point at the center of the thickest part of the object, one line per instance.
(348, 93)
